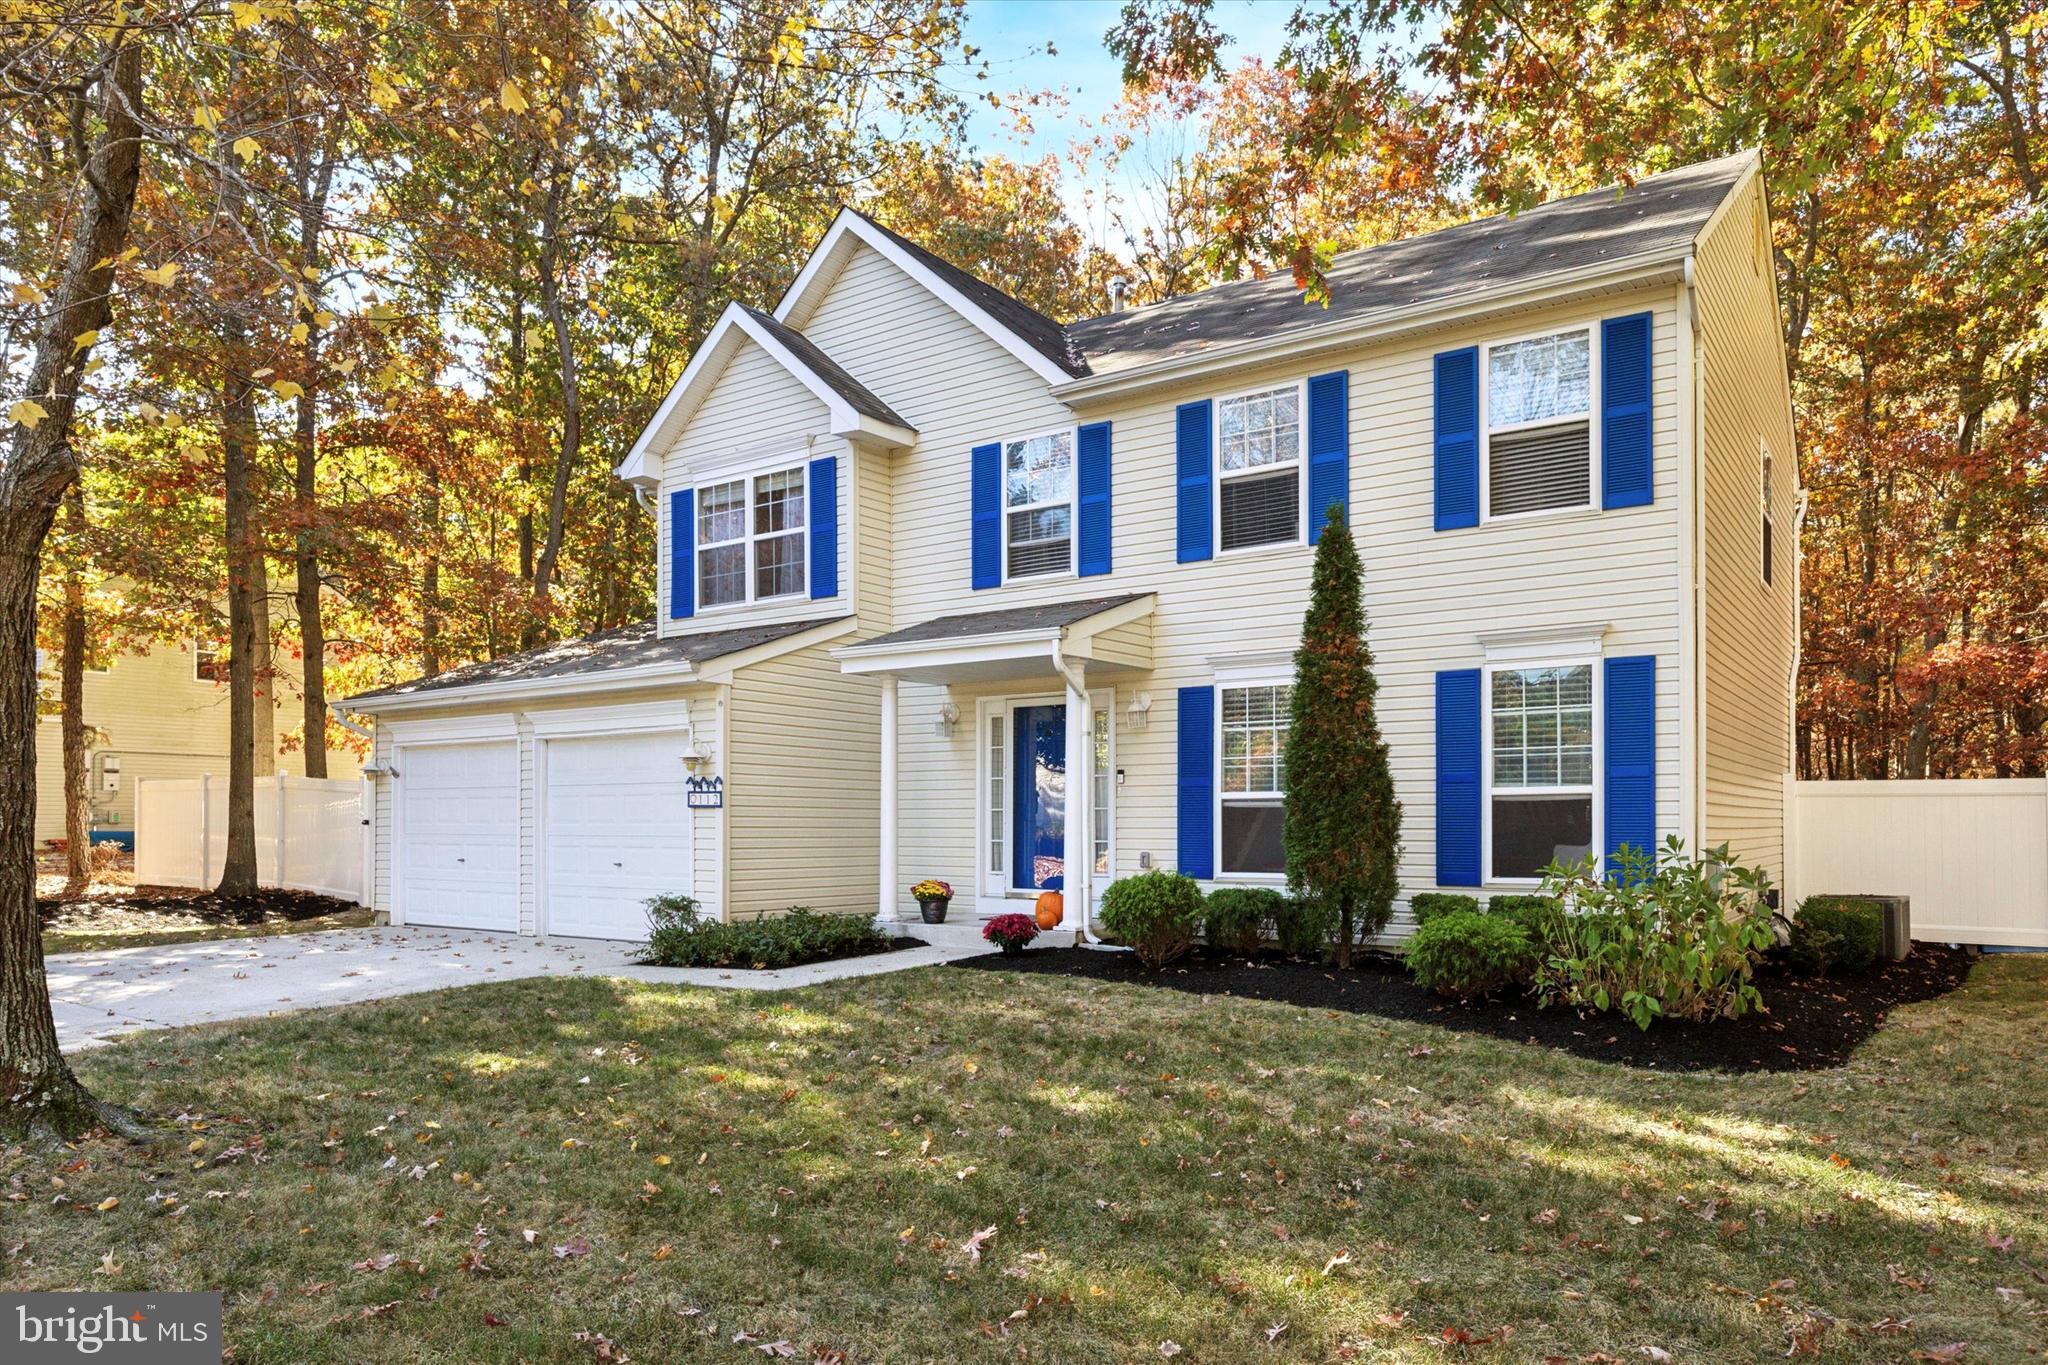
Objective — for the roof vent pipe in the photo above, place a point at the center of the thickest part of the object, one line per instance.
(1117, 288)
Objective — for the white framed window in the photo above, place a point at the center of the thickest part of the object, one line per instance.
(1541, 730)
(1539, 450)
(751, 540)
(1038, 505)
(996, 809)
(1261, 468)
(209, 662)
(1103, 775)
(1252, 721)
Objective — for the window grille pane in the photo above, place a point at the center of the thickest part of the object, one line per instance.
(1253, 836)
(1099, 817)
(1538, 379)
(779, 502)
(1255, 721)
(722, 574)
(722, 512)
(1533, 471)
(1040, 541)
(1262, 509)
(998, 757)
(1543, 727)
(1039, 470)
(779, 565)
(1531, 832)
(1259, 429)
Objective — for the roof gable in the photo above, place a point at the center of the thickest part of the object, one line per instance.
(1033, 338)
(855, 412)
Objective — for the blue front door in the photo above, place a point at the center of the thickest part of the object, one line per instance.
(1039, 777)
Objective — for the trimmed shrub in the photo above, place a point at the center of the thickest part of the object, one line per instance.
(1465, 954)
(1156, 913)
(1537, 915)
(1303, 927)
(1235, 917)
(1835, 933)
(1428, 905)
(678, 938)
(1662, 936)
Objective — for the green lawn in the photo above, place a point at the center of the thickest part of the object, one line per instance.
(672, 1168)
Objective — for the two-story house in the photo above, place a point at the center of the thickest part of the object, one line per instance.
(949, 589)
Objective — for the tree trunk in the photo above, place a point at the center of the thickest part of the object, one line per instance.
(238, 437)
(1344, 933)
(430, 581)
(41, 1096)
(264, 748)
(306, 482)
(77, 821)
(572, 409)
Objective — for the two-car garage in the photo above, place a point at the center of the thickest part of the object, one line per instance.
(609, 815)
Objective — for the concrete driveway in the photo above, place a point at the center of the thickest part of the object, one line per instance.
(97, 996)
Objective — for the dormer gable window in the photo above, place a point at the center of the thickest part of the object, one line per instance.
(750, 538)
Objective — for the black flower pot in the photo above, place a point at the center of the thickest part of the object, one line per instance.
(934, 909)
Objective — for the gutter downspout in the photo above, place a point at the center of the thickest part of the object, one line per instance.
(1081, 805)
(368, 799)
(1692, 587)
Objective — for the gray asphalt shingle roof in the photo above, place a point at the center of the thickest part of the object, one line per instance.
(609, 651)
(1003, 621)
(1026, 323)
(826, 368)
(1660, 213)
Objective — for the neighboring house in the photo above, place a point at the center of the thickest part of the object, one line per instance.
(160, 712)
(950, 590)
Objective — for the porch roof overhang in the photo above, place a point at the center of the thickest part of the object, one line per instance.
(1013, 643)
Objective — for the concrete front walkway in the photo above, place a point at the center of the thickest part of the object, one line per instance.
(99, 995)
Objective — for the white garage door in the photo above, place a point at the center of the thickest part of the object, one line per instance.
(458, 835)
(617, 831)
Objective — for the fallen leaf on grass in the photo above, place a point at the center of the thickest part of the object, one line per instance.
(1276, 1331)
(973, 1245)
(1169, 1349)
(579, 1245)
(601, 1346)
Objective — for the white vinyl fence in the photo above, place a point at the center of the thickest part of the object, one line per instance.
(1972, 854)
(309, 833)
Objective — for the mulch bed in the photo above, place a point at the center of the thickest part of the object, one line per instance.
(263, 907)
(1813, 1023)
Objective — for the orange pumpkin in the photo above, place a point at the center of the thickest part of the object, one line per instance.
(1052, 908)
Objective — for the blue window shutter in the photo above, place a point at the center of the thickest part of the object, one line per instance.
(1196, 841)
(1329, 448)
(682, 552)
(1193, 478)
(1457, 777)
(1457, 443)
(988, 515)
(824, 510)
(1625, 466)
(1093, 455)
(1630, 813)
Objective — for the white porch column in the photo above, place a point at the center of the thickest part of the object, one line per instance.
(888, 845)
(1077, 848)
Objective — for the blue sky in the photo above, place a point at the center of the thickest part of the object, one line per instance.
(1014, 36)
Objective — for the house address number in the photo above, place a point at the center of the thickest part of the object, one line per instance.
(706, 793)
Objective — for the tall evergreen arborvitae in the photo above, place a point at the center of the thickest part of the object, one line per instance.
(1343, 823)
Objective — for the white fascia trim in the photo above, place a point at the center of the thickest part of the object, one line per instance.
(850, 223)
(641, 717)
(979, 649)
(1080, 634)
(721, 669)
(1252, 667)
(648, 675)
(455, 729)
(1544, 643)
(846, 421)
(1656, 268)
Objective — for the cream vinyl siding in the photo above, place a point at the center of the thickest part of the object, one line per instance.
(755, 414)
(1751, 631)
(804, 748)
(1430, 595)
(703, 702)
(162, 722)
